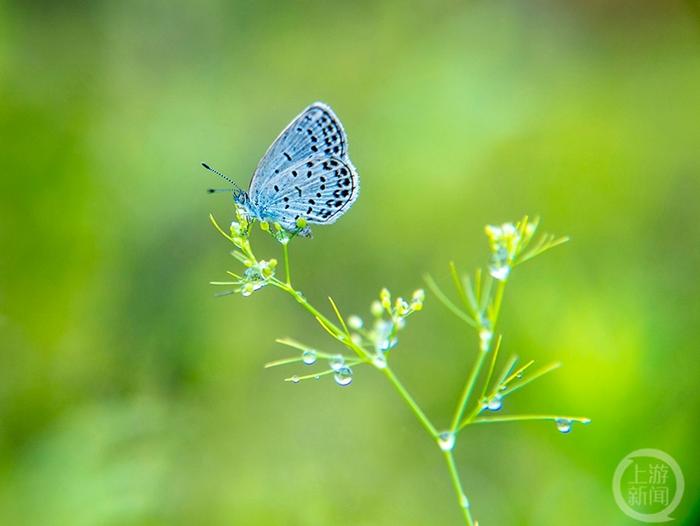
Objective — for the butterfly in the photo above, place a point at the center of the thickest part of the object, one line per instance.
(305, 177)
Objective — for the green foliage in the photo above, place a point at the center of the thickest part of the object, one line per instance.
(481, 298)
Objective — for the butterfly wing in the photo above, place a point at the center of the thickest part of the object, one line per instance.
(319, 189)
(316, 131)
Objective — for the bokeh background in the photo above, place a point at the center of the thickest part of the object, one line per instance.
(130, 395)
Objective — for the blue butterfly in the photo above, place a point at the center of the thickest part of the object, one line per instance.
(304, 177)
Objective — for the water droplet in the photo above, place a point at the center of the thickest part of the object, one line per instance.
(282, 235)
(519, 376)
(485, 336)
(317, 377)
(499, 272)
(336, 362)
(446, 441)
(464, 502)
(295, 379)
(343, 376)
(379, 360)
(563, 425)
(309, 357)
(495, 403)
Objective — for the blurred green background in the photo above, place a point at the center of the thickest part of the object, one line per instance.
(130, 395)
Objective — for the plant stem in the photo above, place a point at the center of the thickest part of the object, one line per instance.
(285, 252)
(494, 310)
(335, 331)
(295, 378)
(520, 418)
(420, 415)
(497, 301)
(482, 308)
(447, 303)
(457, 484)
(467, 391)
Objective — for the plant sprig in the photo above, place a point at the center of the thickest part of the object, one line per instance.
(478, 304)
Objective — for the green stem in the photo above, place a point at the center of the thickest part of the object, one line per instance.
(420, 415)
(497, 301)
(537, 374)
(296, 378)
(297, 359)
(478, 407)
(334, 329)
(285, 252)
(492, 367)
(302, 301)
(473, 377)
(520, 418)
(457, 484)
(447, 303)
(468, 389)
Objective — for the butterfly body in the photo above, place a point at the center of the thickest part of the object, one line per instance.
(305, 174)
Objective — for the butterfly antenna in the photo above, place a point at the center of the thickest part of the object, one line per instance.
(224, 177)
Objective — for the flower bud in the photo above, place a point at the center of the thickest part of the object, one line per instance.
(385, 298)
(401, 307)
(355, 322)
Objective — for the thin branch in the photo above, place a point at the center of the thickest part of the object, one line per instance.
(522, 418)
(532, 378)
(216, 225)
(446, 302)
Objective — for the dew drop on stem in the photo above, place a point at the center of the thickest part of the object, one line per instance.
(309, 357)
(336, 362)
(563, 425)
(446, 440)
(343, 376)
(495, 403)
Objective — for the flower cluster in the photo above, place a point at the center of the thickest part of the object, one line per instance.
(509, 241)
(256, 276)
(258, 272)
(389, 319)
(504, 242)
